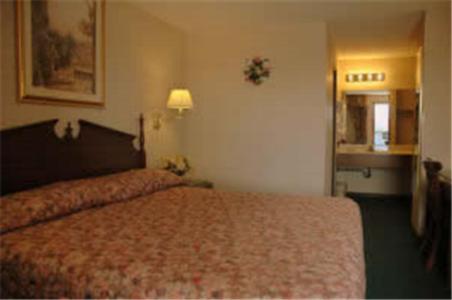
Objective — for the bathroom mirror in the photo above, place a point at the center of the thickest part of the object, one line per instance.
(356, 119)
(377, 119)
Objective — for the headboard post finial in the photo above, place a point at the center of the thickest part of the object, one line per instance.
(68, 132)
(141, 139)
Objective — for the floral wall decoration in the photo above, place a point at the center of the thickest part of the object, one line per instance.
(257, 70)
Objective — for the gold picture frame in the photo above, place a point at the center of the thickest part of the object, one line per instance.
(60, 49)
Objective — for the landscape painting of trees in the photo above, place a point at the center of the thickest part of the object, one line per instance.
(61, 51)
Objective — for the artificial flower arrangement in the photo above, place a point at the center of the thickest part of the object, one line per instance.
(257, 70)
(177, 164)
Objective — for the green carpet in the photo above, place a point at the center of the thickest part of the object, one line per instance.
(394, 266)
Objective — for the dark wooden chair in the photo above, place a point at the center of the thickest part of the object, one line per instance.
(436, 239)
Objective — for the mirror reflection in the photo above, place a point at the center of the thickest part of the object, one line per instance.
(377, 119)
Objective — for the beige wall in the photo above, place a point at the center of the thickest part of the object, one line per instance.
(400, 74)
(268, 138)
(436, 99)
(436, 93)
(143, 61)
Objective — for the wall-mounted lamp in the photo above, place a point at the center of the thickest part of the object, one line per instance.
(365, 77)
(180, 99)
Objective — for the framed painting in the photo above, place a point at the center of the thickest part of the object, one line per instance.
(61, 51)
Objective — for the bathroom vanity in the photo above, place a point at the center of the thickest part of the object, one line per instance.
(376, 140)
(395, 157)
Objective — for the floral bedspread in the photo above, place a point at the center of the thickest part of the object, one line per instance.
(183, 242)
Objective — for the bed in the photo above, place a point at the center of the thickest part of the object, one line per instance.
(119, 230)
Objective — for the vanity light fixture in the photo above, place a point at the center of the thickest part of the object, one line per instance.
(365, 77)
(181, 100)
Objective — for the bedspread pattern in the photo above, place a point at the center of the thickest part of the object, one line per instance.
(62, 198)
(191, 243)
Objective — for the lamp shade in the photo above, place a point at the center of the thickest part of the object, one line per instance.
(180, 99)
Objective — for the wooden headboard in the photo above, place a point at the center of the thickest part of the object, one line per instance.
(33, 155)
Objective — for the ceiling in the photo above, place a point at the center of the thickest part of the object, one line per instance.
(359, 29)
(392, 36)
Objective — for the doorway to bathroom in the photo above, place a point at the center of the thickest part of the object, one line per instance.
(376, 125)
